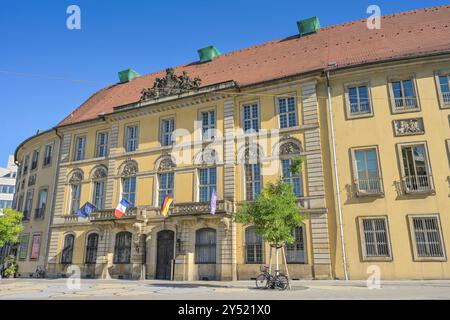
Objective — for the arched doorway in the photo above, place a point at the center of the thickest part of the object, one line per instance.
(164, 254)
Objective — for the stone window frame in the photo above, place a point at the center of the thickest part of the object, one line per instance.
(437, 74)
(97, 145)
(245, 244)
(125, 136)
(41, 189)
(96, 178)
(75, 147)
(412, 237)
(355, 170)
(277, 109)
(403, 77)
(242, 119)
(305, 245)
(37, 152)
(200, 119)
(86, 247)
(362, 242)
(358, 83)
(62, 261)
(52, 146)
(161, 133)
(399, 147)
(448, 151)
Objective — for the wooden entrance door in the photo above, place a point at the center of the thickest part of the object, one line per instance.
(164, 254)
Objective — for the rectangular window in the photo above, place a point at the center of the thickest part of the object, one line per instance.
(165, 186)
(42, 202)
(25, 164)
(7, 189)
(99, 195)
(23, 250)
(207, 180)
(28, 205)
(35, 247)
(404, 95)
(129, 190)
(131, 138)
(48, 155)
(416, 171)
(80, 146)
(208, 125)
(444, 89)
(75, 198)
(251, 117)
(102, 145)
(167, 128)
(358, 99)
(427, 237)
(375, 238)
(294, 179)
(252, 181)
(287, 111)
(295, 252)
(366, 171)
(34, 159)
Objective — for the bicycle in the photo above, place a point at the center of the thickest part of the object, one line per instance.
(267, 281)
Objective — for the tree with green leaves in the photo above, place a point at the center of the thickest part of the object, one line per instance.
(10, 226)
(275, 212)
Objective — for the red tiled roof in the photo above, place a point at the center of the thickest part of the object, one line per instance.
(412, 33)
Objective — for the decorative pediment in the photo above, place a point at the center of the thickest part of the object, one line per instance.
(100, 173)
(130, 168)
(76, 178)
(166, 164)
(289, 147)
(170, 85)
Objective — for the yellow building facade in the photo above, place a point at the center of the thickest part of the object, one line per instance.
(374, 187)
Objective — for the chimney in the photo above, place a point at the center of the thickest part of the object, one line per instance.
(207, 54)
(127, 75)
(308, 26)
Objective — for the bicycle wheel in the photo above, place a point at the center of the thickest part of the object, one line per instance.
(261, 281)
(282, 282)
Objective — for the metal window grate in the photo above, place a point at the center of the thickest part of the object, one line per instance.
(376, 237)
(253, 246)
(428, 238)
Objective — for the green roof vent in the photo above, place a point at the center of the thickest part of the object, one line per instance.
(127, 75)
(308, 26)
(208, 53)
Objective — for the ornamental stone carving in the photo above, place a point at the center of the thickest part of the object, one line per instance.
(171, 84)
(289, 147)
(130, 168)
(76, 178)
(409, 127)
(100, 173)
(32, 180)
(166, 164)
(208, 157)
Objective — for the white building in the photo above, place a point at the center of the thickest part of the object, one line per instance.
(7, 183)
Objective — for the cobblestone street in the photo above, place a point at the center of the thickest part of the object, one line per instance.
(240, 290)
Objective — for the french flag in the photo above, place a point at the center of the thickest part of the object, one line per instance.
(121, 208)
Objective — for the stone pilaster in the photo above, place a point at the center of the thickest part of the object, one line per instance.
(111, 167)
(229, 151)
(315, 184)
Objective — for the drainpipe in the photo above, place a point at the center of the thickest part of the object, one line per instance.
(52, 211)
(336, 176)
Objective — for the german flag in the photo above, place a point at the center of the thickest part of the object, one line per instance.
(166, 205)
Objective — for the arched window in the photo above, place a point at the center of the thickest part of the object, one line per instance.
(91, 248)
(99, 177)
(295, 252)
(75, 191)
(128, 174)
(122, 249)
(67, 252)
(205, 246)
(253, 246)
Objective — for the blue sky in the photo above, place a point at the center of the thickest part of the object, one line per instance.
(46, 70)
